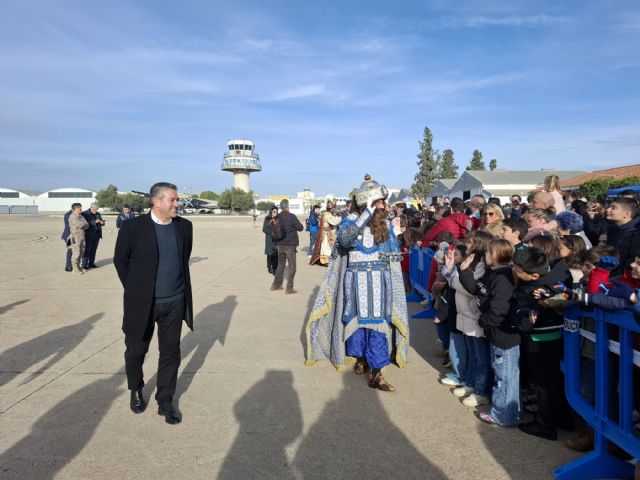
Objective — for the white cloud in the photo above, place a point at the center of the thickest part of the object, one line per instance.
(504, 21)
(302, 91)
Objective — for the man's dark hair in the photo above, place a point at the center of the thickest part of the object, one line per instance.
(518, 197)
(457, 205)
(629, 204)
(531, 260)
(157, 190)
(594, 254)
(126, 205)
(75, 205)
(446, 237)
(495, 201)
(517, 224)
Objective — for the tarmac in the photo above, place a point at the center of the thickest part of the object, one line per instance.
(251, 408)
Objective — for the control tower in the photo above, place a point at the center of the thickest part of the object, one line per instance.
(241, 159)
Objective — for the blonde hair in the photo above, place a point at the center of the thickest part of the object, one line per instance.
(541, 214)
(496, 227)
(552, 183)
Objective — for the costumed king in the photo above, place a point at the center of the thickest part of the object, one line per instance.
(360, 313)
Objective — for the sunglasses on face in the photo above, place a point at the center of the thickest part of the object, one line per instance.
(489, 214)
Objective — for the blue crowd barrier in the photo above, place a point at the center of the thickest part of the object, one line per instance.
(420, 260)
(599, 463)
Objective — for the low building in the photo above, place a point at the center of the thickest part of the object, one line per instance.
(618, 172)
(503, 183)
(441, 188)
(60, 200)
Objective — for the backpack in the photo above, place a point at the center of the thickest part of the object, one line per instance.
(276, 230)
(307, 225)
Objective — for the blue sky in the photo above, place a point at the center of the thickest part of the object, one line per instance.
(133, 92)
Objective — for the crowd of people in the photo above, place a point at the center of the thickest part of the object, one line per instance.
(501, 278)
(82, 233)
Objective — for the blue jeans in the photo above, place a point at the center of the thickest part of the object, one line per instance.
(459, 356)
(505, 397)
(370, 345)
(313, 236)
(443, 333)
(480, 375)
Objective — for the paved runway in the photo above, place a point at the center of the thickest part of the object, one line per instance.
(251, 408)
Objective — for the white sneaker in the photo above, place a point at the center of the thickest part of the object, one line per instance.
(462, 391)
(425, 302)
(474, 400)
(450, 382)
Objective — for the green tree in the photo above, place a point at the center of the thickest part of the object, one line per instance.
(236, 200)
(493, 164)
(599, 186)
(108, 198)
(137, 202)
(448, 167)
(209, 195)
(264, 206)
(428, 166)
(476, 161)
(224, 200)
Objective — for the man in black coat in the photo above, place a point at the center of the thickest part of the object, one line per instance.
(286, 246)
(65, 236)
(152, 259)
(92, 236)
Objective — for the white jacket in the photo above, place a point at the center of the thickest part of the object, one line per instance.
(466, 304)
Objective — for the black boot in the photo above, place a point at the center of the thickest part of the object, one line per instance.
(137, 404)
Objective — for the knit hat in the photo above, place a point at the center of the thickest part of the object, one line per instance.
(571, 221)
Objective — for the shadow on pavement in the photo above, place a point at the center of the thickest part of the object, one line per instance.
(210, 325)
(355, 438)
(10, 306)
(53, 345)
(104, 262)
(197, 259)
(270, 419)
(61, 433)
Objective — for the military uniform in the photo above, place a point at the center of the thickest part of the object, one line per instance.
(76, 241)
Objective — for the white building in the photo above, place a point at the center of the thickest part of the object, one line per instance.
(60, 200)
(502, 183)
(14, 197)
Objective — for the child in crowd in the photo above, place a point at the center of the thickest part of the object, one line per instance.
(494, 292)
(479, 378)
(458, 353)
(514, 230)
(541, 347)
(407, 239)
(572, 249)
(436, 285)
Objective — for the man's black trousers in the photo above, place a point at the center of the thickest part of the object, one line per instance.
(169, 317)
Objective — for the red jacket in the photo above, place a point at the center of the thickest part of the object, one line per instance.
(456, 223)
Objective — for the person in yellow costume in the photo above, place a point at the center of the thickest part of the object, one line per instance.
(329, 221)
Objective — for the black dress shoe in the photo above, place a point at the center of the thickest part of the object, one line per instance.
(137, 404)
(68, 269)
(171, 414)
(93, 265)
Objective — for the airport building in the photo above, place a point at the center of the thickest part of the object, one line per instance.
(58, 200)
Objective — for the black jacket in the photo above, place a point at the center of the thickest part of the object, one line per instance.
(548, 319)
(290, 225)
(494, 291)
(136, 261)
(95, 229)
(594, 227)
(616, 232)
(629, 247)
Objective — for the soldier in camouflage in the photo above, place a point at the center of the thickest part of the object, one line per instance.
(76, 242)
